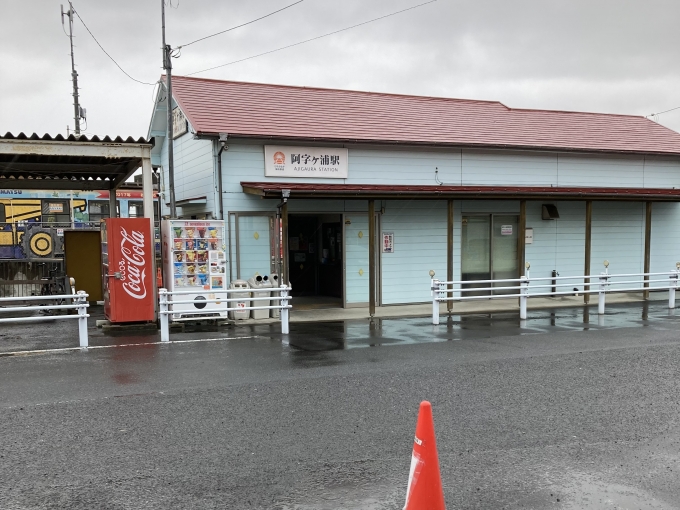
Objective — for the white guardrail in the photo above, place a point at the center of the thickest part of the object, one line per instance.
(78, 302)
(526, 287)
(167, 299)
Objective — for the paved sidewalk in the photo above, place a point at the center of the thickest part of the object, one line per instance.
(324, 324)
(462, 307)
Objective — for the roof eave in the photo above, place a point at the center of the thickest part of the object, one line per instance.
(448, 145)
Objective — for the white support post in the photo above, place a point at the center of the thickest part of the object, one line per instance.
(524, 295)
(82, 318)
(673, 285)
(164, 316)
(435, 301)
(285, 329)
(601, 295)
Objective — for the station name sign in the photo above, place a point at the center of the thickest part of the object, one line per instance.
(316, 162)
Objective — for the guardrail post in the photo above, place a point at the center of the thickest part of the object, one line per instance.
(163, 313)
(673, 285)
(435, 301)
(524, 294)
(604, 277)
(82, 318)
(285, 329)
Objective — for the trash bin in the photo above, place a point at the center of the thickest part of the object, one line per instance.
(275, 292)
(243, 300)
(257, 282)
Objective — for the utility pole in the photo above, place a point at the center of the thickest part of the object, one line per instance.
(167, 65)
(74, 75)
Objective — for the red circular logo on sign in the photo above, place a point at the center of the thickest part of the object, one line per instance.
(279, 158)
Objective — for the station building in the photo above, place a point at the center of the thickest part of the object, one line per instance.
(354, 197)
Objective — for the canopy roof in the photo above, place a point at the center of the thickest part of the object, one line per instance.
(277, 112)
(379, 191)
(75, 163)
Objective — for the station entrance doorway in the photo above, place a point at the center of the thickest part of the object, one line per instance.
(489, 250)
(315, 260)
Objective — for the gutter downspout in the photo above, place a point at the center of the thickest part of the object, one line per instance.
(223, 147)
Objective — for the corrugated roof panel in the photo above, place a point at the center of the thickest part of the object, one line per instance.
(277, 111)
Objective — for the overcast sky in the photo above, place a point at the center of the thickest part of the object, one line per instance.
(595, 55)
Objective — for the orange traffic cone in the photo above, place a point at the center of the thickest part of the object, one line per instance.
(424, 491)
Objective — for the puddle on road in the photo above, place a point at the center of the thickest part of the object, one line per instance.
(586, 492)
(347, 498)
(404, 331)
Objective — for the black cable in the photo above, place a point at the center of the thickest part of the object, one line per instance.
(239, 26)
(112, 59)
(666, 111)
(312, 39)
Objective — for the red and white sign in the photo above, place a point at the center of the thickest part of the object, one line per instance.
(129, 291)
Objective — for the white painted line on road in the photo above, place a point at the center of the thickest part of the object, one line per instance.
(91, 347)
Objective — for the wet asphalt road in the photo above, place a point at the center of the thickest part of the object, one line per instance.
(562, 413)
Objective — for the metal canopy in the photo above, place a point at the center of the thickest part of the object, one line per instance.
(385, 191)
(73, 163)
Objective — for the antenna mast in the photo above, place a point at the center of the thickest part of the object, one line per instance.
(78, 112)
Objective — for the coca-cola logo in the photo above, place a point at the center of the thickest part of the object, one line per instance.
(133, 265)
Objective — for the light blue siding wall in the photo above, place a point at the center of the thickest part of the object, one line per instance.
(605, 171)
(505, 167)
(420, 242)
(665, 246)
(618, 231)
(356, 258)
(490, 206)
(194, 173)
(661, 173)
(618, 228)
(558, 244)
(401, 166)
(254, 246)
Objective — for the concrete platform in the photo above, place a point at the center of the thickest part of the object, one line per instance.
(482, 306)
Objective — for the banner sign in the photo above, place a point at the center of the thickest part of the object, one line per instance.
(316, 162)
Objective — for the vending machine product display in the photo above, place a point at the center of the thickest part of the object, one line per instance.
(194, 257)
(127, 269)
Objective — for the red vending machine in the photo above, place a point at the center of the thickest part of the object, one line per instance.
(127, 259)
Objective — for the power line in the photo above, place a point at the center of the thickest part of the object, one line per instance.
(312, 39)
(107, 54)
(242, 25)
(666, 111)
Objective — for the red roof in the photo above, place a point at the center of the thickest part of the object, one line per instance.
(316, 190)
(301, 113)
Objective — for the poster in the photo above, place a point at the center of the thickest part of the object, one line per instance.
(388, 242)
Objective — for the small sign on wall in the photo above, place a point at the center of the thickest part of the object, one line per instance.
(506, 230)
(388, 242)
(179, 123)
(529, 236)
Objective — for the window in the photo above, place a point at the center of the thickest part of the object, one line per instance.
(135, 209)
(99, 209)
(3, 216)
(56, 211)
